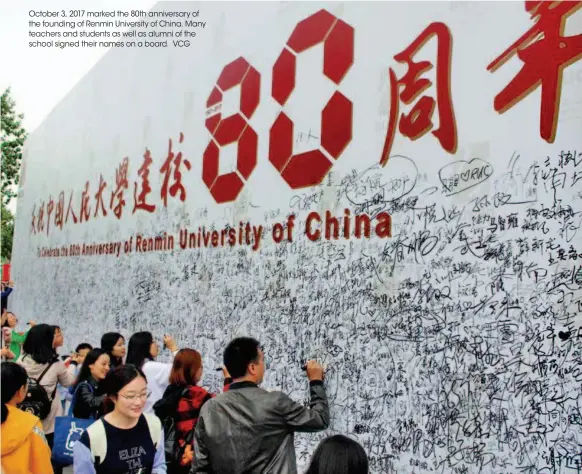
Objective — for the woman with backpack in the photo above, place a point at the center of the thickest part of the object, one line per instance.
(24, 446)
(114, 344)
(125, 439)
(44, 368)
(180, 406)
(87, 398)
(142, 352)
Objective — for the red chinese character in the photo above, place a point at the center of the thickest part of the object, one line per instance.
(166, 168)
(139, 202)
(70, 210)
(60, 210)
(85, 210)
(40, 218)
(99, 197)
(121, 184)
(545, 52)
(33, 226)
(418, 121)
(50, 207)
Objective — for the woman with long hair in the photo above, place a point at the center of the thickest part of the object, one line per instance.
(182, 401)
(339, 455)
(87, 398)
(24, 447)
(142, 352)
(39, 358)
(114, 344)
(125, 439)
(14, 339)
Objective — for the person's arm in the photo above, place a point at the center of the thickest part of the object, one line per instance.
(66, 375)
(7, 292)
(19, 338)
(88, 397)
(40, 453)
(7, 353)
(316, 417)
(160, 372)
(201, 459)
(82, 462)
(159, 466)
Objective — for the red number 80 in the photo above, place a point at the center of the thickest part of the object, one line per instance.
(300, 170)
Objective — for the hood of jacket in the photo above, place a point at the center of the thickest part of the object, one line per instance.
(16, 429)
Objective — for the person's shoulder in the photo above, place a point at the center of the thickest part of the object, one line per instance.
(85, 440)
(196, 393)
(277, 397)
(23, 418)
(149, 419)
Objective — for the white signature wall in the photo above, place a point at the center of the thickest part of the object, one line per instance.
(452, 346)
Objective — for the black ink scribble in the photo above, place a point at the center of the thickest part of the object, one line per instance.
(454, 346)
(461, 175)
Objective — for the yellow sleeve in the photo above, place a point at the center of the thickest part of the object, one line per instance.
(40, 453)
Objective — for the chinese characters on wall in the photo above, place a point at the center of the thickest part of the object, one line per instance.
(543, 49)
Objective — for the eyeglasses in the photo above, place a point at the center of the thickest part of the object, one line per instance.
(135, 396)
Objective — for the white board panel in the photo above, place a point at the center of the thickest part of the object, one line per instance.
(454, 344)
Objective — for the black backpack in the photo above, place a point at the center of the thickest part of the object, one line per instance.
(173, 451)
(37, 400)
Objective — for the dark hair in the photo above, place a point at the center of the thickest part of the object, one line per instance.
(117, 379)
(83, 345)
(186, 364)
(138, 349)
(14, 377)
(39, 343)
(108, 340)
(339, 455)
(90, 359)
(239, 353)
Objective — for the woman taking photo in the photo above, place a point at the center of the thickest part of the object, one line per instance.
(124, 440)
(41, 362)
(142, 352)
(16, 339)
(87, 399)
(182, 401)
(24, 447)
(114, 344)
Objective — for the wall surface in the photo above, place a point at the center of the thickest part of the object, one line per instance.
(451, 330)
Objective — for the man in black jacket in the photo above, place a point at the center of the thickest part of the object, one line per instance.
(249, 430)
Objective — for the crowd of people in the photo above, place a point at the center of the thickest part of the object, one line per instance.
(144, 416)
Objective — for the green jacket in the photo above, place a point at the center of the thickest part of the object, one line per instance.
(16, 342)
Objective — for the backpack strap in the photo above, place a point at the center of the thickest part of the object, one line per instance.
(44, 372)
(98, 438)
(98, 442)
(155, 427)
